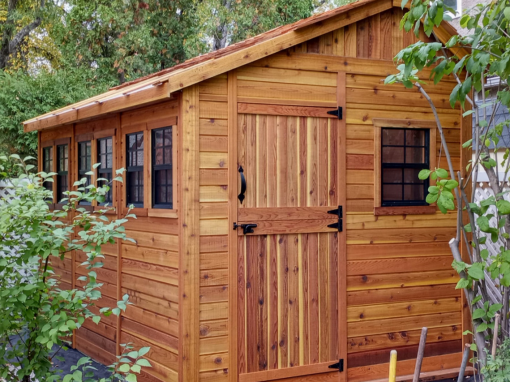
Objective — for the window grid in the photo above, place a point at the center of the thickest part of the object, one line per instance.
(403, 166)
(62, 171)
(48, 165)
(105, 169)
(135, 164)
(162, 172)
(84, 164)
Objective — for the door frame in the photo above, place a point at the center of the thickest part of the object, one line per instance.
(232, 236)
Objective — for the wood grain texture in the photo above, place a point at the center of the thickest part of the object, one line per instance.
(189, 363)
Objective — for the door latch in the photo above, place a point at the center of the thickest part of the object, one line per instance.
(339, 365)
(247, 228)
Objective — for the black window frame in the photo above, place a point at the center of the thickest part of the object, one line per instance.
(162, 167)
(82, 171)
(135, 169)
(105, 172)
(403, 166)
(62, 174)
(47, 163)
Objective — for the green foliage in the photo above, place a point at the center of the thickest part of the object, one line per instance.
(36, 312)
(497, 368)
(24, 97)
(484, 53)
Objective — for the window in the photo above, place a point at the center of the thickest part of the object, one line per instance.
(48, 166)
(134, 171)
(405, 152)
(84, 164)
(455, 5)
(105, 169)
(62, 170)
(162, 176)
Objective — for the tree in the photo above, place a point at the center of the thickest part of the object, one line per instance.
(229, 21)
(19, 19)
(486, 43)
(38, 314)
(125, 39)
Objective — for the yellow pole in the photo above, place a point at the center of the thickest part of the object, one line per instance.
(393, 366)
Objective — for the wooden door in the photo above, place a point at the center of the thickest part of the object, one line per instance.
(290, 287)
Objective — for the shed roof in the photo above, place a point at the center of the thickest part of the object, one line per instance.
(160, 86)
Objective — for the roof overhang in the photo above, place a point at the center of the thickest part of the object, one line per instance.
(160, 86)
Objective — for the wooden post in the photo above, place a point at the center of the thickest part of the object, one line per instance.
(189, 260)
(419, 357)
(393, 366)
(495, 338)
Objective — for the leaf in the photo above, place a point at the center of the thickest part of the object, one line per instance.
(124, 368)
(463, 283)
(481, 328)
(478, 313)
(136, 368)
(143, 362)
(424, 174)
(506, 12)
(96, 319)
(143, 351)
(131, 378)
(441, 173)
(503, 207)
(476, 271)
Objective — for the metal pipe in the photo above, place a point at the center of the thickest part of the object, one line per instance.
(419, 357)
(393, 366)
(465, 357)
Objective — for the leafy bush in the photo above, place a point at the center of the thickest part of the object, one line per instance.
(497, 369)
(38, 314)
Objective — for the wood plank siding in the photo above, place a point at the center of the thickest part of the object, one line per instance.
(288, 300)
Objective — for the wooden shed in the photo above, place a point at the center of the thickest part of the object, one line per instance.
(281, 226)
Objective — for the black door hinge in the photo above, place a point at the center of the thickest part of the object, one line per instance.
(339, 224)
(339, 365)
(338, 112)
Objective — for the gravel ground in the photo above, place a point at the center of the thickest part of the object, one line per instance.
(71, 357)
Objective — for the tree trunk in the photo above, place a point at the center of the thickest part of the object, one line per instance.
(220, 38)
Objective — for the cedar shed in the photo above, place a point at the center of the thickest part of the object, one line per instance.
(281, 225)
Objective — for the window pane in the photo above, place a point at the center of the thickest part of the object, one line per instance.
(393, 137)
(139, 161)
(392, 175)
(415, 137)
(414, 192)
(158, 156)
(411, 175)
(451, 4)
(393, 155)
(158, 138)
(392, 192)
(168, 155)
(415, 155)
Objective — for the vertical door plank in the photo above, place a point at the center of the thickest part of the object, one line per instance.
(281, 131)
(271, 161)
(322, 162)
(262, 302)
(293, 300)
(326, 44)
(312, 158)
(313, 296)
(252, 323)
(323, 297)
(261, 185)
(273, 303)
(303, 192)
(292, 161)
(333, 295)
(333, 162)
(305, 332)
(283, 299)
(241, 304)
(250, 171)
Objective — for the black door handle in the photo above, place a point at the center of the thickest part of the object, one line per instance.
(243, 185)
(247, 228)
